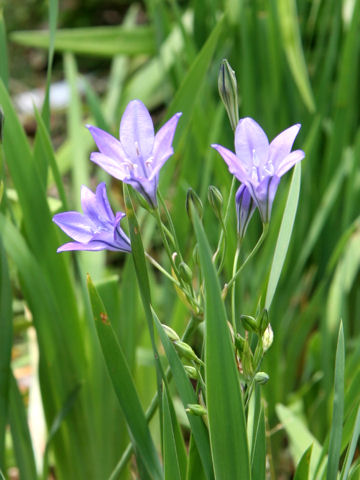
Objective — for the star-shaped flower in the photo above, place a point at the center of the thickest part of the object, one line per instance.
(138, 156)
(258, 164)
(95, 229)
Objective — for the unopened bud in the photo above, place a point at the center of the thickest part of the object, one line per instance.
(196, 409)
(261, 378)
(263, 321)
(193, 201)
(249, 323)
(191, 372)
(171, 334)
(195, 255)
(186, 351)
(185, 272)
(2, 120)
(247, 361)
(245, 207)
(239, 342)
(267, 338)
(216, 200)
(228, 92)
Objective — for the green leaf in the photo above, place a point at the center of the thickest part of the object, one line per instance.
(171, 462)
(224, 398)
(5, 347)
(300, 437)
(290, 31)
(20, 434)
(124, 386)
(93, 41)
(258, 454)
(338, 409)
(352, 447)
(303, 467)
(284, 236)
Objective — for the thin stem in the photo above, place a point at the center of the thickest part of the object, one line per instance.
(251, 254)
(233, 289)
(125, 457)
(161, 269)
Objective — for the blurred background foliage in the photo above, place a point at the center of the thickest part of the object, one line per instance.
(295, 62)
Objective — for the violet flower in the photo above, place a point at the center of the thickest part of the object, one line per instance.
(260, 165)
(97, 228)
(245, 207)
(139, 155)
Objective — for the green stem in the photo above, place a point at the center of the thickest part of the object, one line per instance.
(233, 289)
(251, 254)
(161, 269)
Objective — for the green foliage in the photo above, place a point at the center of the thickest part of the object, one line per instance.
(102, 383)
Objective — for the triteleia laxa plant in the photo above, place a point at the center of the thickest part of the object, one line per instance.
(258, 164)
(138, 156)
(95, 229)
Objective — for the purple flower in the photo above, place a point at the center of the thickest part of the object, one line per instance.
(139, 155)
(245, 207)
(97, 228)
(259, 165)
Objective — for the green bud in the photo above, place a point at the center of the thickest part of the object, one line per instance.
(247, 361)
(2, 120)
(228, 92)
(195, 255)
(263, 321)
(172, 335)
(186, 351)
(191, 372)
(215, 200)
(261, 378)
(239, 342)
(185, 272)
(193, 201)
(196, 409)
(249, 323)
(267, 338)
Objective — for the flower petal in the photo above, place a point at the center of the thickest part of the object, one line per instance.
(91, 246)
(281, 146)
(76, 225)
(110, 165)
(107, 144)
(163, 142)
(264, 195)
(289, 161)
(233, 162)
(250, 138)
(245, 207)
(137, 131)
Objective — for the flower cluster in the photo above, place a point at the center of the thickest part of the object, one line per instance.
(135, 159)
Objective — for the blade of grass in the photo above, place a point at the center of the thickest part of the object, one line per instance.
(93, 41)
(227, 425)
(6, 335)
(171, 462)
(124, 385)
(338, 409)
(284, 236)
(303, 467)
(20, 434)
(351, 449)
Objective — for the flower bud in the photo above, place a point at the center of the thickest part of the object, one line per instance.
(171, 334)
(261, 378)
(2, 120)
(185, 272)
(247, 361)
(228, 92)
(216, 200)
(263, 321)
(195, 255)
(245, 207)
(191, 372)
(249, 323)
(186, 351)
(193, 201)
(239, 343)
(267, 338)
(196, 409)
